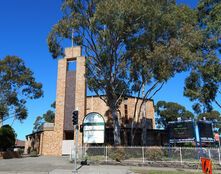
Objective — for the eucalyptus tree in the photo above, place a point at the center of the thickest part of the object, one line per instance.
(171, 111)
(47, 117)
(17, 84)
(203, 84)
(128, 44)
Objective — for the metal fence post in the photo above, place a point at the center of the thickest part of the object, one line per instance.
(143, 154)
(219, 155)
(106, 153)
(209, 154)
(181, 157)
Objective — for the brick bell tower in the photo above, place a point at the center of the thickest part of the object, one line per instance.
(70, 95)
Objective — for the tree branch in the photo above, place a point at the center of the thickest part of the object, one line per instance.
(217, 103)
(145, 97)
(157, 90)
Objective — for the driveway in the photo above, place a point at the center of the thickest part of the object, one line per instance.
(53, 165)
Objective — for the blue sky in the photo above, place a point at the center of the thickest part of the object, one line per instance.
(24, 26)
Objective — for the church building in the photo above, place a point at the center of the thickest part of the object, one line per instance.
(56, 138)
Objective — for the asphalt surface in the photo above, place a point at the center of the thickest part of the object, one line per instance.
(61, 165)
(54, 165)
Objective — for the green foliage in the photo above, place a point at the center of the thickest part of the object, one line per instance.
(154, 40)
(170, 111)
(33, 153)
(53, 105)
(38, 124)
(129, 44)
(117, 154)
(20, 151)
(48, 117)
(211, 116)
(17, 84)
(7, 137)
(154, 154)
(202, 86)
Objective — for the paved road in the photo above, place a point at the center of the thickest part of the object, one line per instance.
(61, 165)
(54, 165)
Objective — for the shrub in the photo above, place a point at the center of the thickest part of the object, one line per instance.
(154, 154)
(91, 151)
(20, 151)
(133, 152)
(10, 154)
(33, 153)
(7, 137)
(117, 154)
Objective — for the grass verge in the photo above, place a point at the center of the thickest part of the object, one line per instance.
(140, 171)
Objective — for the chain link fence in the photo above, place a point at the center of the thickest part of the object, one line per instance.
(148, 154)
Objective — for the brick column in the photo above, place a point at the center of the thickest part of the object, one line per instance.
(74, 53)
(60, 105)
(52, 140)
(80, 94)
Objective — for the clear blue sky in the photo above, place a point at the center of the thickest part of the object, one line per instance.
(24, 26)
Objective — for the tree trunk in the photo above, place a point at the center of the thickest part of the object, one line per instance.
(116, 131)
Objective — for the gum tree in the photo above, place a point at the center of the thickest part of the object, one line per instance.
(47, 117)
(128, 44)
(203, 84)
(17, 84)
(170, 111)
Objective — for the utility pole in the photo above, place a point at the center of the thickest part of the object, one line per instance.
(76, 150)
(75, 124)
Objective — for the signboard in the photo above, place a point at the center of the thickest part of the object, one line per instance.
(181, 131)
(93, 128)
(205, 131)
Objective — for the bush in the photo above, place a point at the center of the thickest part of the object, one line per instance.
(33, 153)
(7, 137)
(95, 151)
(117, 154)
(10, 154)
(133, 152)
(21, 151)
(154, 154)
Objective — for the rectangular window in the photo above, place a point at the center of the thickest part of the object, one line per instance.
(71, 65)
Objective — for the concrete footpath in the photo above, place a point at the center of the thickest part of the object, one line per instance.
(83, 170)
(104, 169)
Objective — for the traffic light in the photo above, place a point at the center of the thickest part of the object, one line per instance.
(81, 128)
(75, 117)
